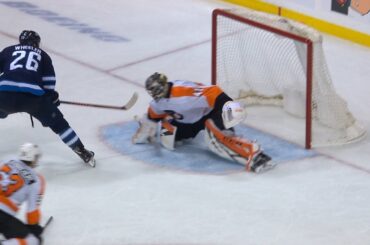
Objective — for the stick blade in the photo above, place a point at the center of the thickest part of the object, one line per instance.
(47, 223)
(131, 102)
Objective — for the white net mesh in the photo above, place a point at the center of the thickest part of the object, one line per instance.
(261, 67)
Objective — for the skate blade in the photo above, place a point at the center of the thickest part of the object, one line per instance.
(92, 162)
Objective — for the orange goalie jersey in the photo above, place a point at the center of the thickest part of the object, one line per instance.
(20, 183)
(188, 102)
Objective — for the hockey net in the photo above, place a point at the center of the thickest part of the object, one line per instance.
(270, 61)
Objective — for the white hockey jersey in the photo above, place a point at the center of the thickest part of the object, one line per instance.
(19, 183)
(188, 102)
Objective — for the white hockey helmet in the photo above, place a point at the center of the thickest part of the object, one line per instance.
(232, 114)
(29, 152)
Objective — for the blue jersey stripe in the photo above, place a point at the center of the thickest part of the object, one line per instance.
(21, 87)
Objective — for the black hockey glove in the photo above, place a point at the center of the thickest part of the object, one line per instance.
(35, 230)
(54, 97)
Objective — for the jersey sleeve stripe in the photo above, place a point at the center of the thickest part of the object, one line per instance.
(33, 217)
(21, 241)
(50, 78)
(153, 115)
(211, 93)
(42, 183)
(20, 87)
(49, 87)
(179, 91)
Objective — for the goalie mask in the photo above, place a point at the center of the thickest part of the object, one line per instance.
(157, 86)
(232, 114)
(31, 38)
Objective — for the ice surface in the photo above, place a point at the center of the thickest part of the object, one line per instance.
(324, 199)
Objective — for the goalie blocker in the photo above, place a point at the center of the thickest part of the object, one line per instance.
(236, 149)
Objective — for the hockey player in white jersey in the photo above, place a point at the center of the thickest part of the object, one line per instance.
(19, 183)
(184, 108)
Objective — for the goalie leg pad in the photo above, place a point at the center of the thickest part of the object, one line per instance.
(146, 132)
(229, 147)
(236, 149)
(167, 135)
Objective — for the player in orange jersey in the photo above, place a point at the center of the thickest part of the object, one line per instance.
(19, 183)
(184, 108)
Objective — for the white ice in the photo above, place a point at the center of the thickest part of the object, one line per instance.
(322, 200)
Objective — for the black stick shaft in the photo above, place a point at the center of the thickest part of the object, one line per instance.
(48, 222)
(92, 105)
(127, 106)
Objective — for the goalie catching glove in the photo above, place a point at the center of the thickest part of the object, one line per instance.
(236, 149)
(146, 132)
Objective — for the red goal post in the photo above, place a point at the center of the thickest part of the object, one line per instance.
(263, 59)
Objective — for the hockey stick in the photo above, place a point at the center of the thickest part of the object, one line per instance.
(127, 106)
(43, 228)
(47, 223)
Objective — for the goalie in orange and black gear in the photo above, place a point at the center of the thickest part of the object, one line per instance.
(188, 104)
(183, 108)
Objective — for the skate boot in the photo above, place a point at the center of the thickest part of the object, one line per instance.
(262, 162)
(86, 155)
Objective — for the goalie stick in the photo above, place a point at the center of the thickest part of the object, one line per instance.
(127, 106)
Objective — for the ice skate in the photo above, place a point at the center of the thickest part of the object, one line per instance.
(86, 155)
